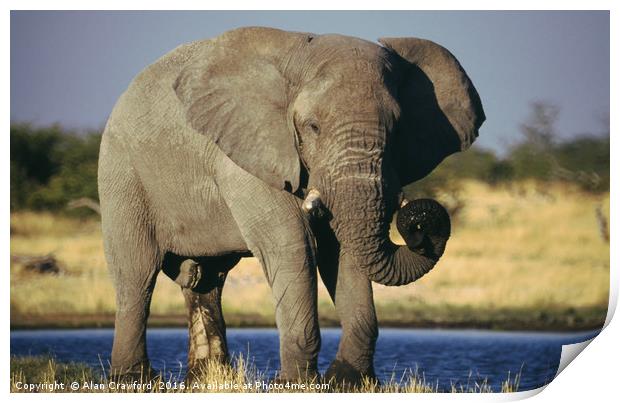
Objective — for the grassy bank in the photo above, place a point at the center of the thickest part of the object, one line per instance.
(215, 377)
(519, 258)
(567, 319)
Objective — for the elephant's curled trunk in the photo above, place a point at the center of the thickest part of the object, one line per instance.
(425, 226)
(363, 230)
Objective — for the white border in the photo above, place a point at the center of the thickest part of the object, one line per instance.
(593, 377)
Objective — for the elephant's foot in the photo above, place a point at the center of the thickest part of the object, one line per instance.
(141, 373)
(342, 374)
(307, 378)
(307, 375)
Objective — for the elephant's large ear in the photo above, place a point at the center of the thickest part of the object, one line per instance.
(441, 111)
(236, 94)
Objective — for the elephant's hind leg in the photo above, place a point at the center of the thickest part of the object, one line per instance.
(207, 328)
(134, 260)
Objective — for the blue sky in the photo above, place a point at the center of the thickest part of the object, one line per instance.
(70, 67)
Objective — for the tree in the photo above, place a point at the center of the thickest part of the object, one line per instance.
(583, 160)
(532, 157)
(50, 167)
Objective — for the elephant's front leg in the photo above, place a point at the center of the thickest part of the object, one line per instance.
(277, 232)
(351, 292)
(291, 272)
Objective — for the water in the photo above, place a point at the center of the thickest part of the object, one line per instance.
(444, 357)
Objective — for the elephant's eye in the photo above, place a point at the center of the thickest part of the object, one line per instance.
(314, 126)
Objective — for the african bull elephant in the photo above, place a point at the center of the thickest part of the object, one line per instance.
(229, 147)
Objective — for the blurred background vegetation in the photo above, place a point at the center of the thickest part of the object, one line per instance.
(539, 155)
(51, 166)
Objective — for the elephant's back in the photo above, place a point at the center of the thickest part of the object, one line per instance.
(175, 165)
(149, 101)
(148, 121)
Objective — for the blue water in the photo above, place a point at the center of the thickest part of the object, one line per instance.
(443, 357)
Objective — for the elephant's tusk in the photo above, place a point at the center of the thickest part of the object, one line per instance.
(312, 201)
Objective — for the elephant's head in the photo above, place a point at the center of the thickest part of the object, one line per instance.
(353, 120)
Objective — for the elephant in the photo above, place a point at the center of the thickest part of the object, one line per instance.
(293, 148)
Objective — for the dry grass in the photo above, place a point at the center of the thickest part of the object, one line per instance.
(519, 250)
(215, 377)
(517, 254)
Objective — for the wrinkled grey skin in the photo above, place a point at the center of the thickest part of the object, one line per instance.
(209, 153)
